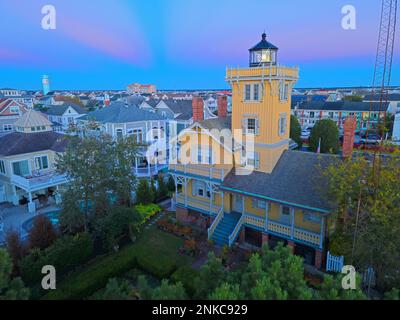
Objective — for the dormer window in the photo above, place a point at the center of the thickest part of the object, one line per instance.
(14, 109)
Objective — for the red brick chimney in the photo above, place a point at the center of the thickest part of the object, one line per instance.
(198, 109)
(222, 106)
(349, 128)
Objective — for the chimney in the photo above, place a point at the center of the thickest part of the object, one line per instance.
(198, 109)
(349, 127)
(222, 106)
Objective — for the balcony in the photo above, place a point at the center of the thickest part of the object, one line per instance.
(196, 204)
(199, 170)
(149, 171)
(284, 230)
(39, 181)
(291, 73)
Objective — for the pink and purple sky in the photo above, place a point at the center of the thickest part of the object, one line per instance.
(183, 44)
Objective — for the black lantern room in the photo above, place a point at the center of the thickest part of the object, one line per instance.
(263, 53)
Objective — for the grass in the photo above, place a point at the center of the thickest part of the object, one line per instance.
(155, 252)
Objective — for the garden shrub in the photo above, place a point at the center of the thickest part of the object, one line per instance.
(80, 285)
(159, 266)
(186, 275)
(64, 254)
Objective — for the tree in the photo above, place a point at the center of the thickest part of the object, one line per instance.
(42, 234)
(116, 225)
(87, 163)
(10, 289)
(367, 202)
(226, 291)
(116, 290)
(171, 184)
(353, 98)
(125, 150)
(393, 294)
(162, 190)
(16, 248)
(71, 218)
(168, 291)
(327, 132)
(331, 289)
(295, 130)
(144, 194)
(144, 288)
(277, 274)
(211, 275)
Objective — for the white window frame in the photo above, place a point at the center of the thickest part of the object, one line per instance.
(39, 160)
(22, 160)
(2, 167)
(15, 109)
(283, 91)
(282, 127)
(251, 97)
(258, 204)
(245, 125)
(199, 185)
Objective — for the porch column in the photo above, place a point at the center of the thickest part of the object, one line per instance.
(292, 224)
(186, 192)
(266, 215)
(148, 167)
(243, 203)
(222, 201)
(136, 165)
(318, 259)
(31, 204)
(211, 194)
(291, 244)
(322, 234)
(265, 239)
(14, 196)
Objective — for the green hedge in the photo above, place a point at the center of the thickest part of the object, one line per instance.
(159, 266)
(80, 285)
(64, 254)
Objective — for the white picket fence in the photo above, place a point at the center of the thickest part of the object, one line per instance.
(334, 263)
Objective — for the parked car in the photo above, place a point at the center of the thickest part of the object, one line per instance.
(372, 138)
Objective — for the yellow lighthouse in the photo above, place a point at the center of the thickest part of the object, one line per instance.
(261, 98)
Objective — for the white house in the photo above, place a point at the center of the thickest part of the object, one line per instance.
(64, 116)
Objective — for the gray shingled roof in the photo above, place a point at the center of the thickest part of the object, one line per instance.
(296, 180)
(181, 107)
(119, 112)
(345, 106)
(58, 110)
(20, 143)
(377, 97)
(217, 123)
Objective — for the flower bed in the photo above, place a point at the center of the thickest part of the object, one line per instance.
(180, 231)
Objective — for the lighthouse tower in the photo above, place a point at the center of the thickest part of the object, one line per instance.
(46, 84)
(261, 99)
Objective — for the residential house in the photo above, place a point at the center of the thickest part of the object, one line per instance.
(148, 129)
(27, 162)
(10, 111)
(245, 184)
(367, 113)
(64, 116)
(392, 98)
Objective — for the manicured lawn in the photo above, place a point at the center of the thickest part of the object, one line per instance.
(155, 252)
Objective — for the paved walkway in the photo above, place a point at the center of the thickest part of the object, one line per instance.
(13, 217)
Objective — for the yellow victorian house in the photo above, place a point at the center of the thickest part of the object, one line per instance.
(237, 172)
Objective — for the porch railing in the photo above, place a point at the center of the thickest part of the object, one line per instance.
(197, 204)
(215, 223)
(284, 230)
(235, 231)
(200, 170)
(35, 183)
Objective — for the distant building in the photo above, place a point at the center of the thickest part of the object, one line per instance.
(393, 99)
(28, 163)
(64, 116)
(46, 84)
(142, 88)
(10, 111)
(8, 92)
(308, 113)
